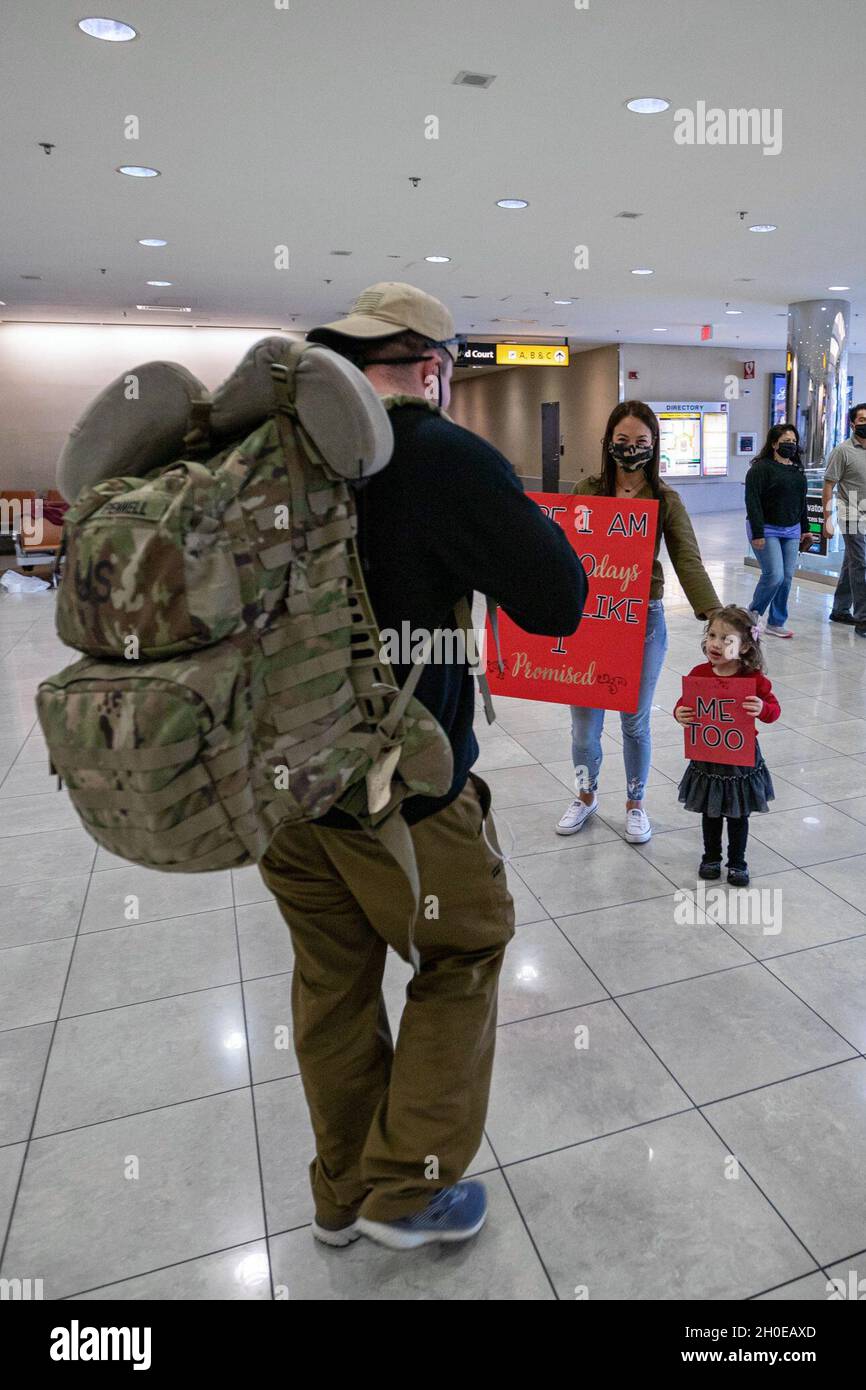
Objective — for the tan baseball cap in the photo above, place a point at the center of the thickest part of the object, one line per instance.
(389, 308)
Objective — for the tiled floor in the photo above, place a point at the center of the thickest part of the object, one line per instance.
(678, 1109)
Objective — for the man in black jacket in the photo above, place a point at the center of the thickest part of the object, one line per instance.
(397, 1126)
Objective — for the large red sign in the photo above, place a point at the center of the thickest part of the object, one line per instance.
(722, 732)
(600, 664)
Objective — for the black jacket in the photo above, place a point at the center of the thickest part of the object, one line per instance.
(775, 496)
(448, 516)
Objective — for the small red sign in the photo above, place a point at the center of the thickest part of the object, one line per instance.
(748, 371)
(600, 664)
(706, 332)
(723, 732)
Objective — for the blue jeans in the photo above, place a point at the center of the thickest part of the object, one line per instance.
(778, 560)
(587, 724)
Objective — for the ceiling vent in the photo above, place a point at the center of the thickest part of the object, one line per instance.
(474, 79)
(341, 253)
(630, 216)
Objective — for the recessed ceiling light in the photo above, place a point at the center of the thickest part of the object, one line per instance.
(138, 171)
(162, 309)
(660, 330)
(647, 106)
(437, 260)
(823, 306)
(838, 287)
(112, 30)
(643, 272)
(563, 301)
(512, 203)
(764, 227)
(152, 241)
(2, 303)
(160, 282)
(733, 311)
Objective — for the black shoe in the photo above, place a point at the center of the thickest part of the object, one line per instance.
(842, 618)
(710, 868)
(739, 878)
(860, 630)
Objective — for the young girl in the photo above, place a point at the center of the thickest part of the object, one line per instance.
(721, 791)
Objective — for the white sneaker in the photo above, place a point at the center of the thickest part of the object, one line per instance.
(576, 817)
(637, 826)
(777, 631)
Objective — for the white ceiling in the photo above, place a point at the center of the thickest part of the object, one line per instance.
(302, 126)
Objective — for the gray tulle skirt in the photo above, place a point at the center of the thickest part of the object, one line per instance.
(719, 789)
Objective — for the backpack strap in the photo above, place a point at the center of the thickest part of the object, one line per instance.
(197, 439)
(395, 836)
(463, 614)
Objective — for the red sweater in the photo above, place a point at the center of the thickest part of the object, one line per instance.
(763, 690)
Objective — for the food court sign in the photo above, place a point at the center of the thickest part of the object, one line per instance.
(477, 354)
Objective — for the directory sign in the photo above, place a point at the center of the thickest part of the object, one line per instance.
(693, 438)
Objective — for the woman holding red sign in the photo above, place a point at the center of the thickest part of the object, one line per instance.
(630, 469)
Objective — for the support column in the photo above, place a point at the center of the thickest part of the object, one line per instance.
(817, 375)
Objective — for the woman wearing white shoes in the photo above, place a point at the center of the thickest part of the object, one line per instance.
(630, 468)
(777, 523)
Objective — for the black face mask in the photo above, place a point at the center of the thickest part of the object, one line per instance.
(630, 457)
(860, 431)
(786, 451)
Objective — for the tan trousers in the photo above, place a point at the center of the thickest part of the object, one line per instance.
(393, 1124)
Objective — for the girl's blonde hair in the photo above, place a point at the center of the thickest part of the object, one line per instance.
(746, 624)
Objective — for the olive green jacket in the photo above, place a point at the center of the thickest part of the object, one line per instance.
(682, 546)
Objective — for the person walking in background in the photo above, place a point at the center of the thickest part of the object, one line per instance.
(776, 524)
(846, 474)
(630, 469)
(723, 791)
(396, 1126)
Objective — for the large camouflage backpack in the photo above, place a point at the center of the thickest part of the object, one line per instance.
(232, 680)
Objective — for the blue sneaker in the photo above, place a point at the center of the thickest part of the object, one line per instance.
(455, 1213)
(338, 1236)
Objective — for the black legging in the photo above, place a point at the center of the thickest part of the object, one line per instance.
(738, 834)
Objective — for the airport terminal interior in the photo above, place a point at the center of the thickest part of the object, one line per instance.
(614, 203)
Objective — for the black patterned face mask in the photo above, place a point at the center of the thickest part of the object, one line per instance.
(630, 457)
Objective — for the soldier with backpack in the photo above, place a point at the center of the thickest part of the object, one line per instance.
(230, 563)
(397, 1124)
